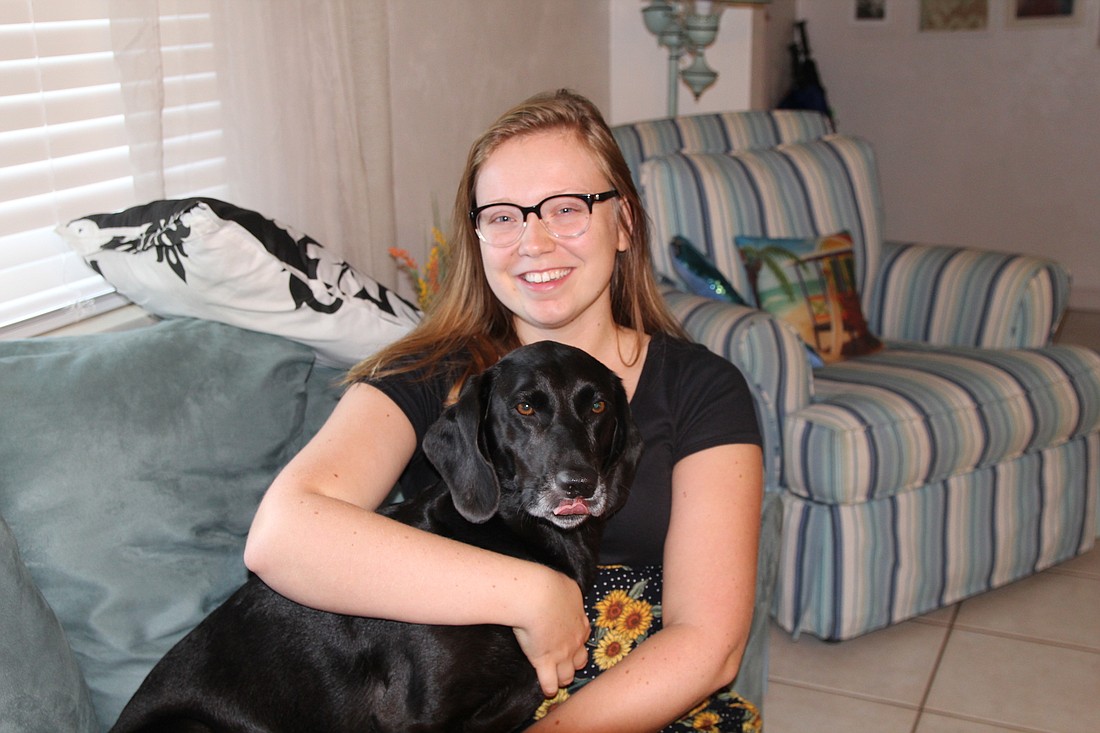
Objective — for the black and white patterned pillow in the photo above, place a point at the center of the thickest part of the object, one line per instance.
(205, 258)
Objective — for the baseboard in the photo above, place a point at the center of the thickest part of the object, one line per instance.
(1084, 299)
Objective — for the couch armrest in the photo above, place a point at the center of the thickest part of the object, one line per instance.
(768, 353)
(948, 295)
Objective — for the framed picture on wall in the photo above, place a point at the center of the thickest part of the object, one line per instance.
(870, 11)
(1044, 13)
(954, 15)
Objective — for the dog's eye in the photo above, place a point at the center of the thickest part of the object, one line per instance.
(598, 407)
(525, 409)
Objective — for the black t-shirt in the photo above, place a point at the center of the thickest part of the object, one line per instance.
(687, 400)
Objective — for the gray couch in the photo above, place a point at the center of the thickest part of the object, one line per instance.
(132, 463)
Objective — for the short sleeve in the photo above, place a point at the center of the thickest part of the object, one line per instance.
(712, 402)
(688, 399)
(421, 398)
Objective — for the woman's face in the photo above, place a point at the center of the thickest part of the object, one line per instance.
(552, 285)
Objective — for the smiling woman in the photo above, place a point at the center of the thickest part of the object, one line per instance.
(582, 277)
(555, 276)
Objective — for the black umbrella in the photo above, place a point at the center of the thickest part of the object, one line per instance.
(806, 92)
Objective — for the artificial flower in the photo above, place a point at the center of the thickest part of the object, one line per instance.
(427, 281)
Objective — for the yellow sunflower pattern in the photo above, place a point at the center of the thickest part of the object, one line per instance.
(624, 608)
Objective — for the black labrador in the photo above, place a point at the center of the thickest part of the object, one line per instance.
(535, 454)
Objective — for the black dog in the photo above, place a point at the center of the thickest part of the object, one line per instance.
(532, 451)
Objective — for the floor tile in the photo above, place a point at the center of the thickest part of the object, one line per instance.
(790, 709)
(1014, 682)
(932, 723)
(1054, 607)
(939, 617)
(1087, 565)
(890, 665)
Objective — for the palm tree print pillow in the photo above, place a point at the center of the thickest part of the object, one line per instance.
(810, 283)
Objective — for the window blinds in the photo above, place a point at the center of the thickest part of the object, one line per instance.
(73, 143)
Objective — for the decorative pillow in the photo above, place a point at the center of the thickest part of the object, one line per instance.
(132, 464)
(41, 688)
(699, 274)
(624, 609)
(205, 258)
(810, 284)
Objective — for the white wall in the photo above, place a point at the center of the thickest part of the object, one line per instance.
(456, 65)
(986, 138)
(639, 67)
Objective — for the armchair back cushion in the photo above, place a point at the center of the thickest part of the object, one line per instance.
(800, 190)
(722, 132)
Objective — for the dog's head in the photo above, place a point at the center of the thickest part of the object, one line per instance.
(546, 431)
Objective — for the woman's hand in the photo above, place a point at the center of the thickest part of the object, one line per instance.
(554, 636)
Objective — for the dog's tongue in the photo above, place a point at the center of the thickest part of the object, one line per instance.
(571, 506)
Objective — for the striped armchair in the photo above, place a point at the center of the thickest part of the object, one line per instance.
(963, 456)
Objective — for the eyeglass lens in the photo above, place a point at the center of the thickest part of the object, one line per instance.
(563, 216)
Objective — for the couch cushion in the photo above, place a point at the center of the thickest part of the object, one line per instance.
(801, 190)
(130, 467)
(41, 688)
(205, 258)
(910, 415)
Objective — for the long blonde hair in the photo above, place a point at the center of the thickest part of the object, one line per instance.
(466, 319)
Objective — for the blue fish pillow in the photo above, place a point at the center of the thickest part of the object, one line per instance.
(699, 274)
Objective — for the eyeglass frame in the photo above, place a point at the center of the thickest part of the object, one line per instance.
(589, 198)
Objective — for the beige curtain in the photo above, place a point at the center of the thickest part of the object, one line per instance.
(302, 89)
(136, 40)
(306, 113)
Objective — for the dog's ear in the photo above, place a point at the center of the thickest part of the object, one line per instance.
(455, 446)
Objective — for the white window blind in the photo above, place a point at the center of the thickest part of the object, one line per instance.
(68, 145)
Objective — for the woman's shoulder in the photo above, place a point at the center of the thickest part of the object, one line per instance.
(670, 351)
(688, 373)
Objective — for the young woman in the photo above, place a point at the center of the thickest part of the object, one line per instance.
(549, 243)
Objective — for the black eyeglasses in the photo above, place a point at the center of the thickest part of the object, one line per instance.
(565, 215)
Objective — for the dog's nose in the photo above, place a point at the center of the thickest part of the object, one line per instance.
(577, 482)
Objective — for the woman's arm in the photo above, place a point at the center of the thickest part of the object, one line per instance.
(707, 602)
(317, 540)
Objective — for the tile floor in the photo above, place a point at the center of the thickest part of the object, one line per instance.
(1025, 657)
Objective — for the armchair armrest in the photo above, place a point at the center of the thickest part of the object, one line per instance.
(949, 295)
(768, 353)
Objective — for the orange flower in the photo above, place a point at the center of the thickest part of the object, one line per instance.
(428, 281)
(404, 259)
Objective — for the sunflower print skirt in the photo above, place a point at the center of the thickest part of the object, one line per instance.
(624, 608)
